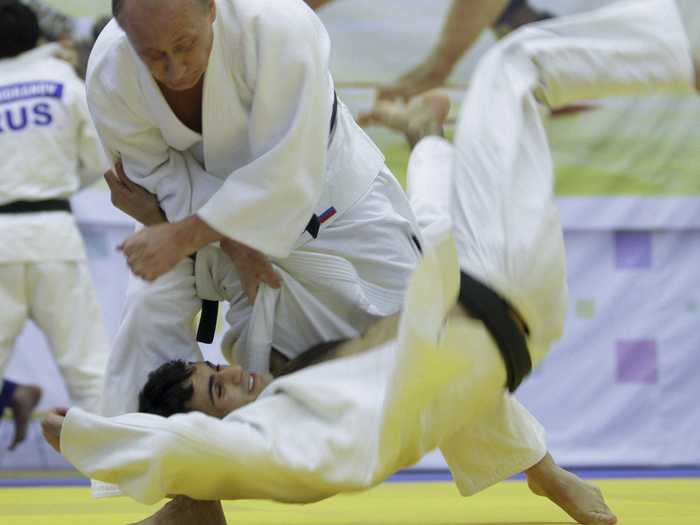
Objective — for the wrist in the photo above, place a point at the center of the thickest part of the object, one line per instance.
(236, 250)
(193, 233)
(154, 217)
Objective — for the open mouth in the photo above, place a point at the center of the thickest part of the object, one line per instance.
(251, 382)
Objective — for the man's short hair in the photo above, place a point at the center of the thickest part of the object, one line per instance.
(118, 4)
(19, 28)
(168, 390)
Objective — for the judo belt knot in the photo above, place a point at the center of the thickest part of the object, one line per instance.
(498, 317)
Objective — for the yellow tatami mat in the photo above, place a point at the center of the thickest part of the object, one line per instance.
(643, 502)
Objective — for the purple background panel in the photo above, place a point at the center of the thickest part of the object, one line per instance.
(637, 361)
(633, 249)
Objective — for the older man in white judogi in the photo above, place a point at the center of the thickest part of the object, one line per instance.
(348, 424)
(258, 150)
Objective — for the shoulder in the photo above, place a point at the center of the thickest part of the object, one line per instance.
(112, 63)
(281, 17)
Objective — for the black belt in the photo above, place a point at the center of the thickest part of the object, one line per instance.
(207, 321)
(36, 206)
(314, 224)
(497, 315)
(208, 317)
(334, 112)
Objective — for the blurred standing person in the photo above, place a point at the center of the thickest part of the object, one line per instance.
(463, 25)
(49, 149)
(56, 26)
(53, 24)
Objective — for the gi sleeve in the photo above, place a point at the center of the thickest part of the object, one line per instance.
(267, 203)
(92, 159)
(128, 135)
(150, 457)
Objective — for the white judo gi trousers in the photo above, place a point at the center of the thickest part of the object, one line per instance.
(347, 424)
(59, 297)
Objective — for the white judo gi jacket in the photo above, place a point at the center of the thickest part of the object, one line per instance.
(265, 162)
(346, 425)
(262, 165)
(49, 150)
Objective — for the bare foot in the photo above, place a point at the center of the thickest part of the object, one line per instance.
(24, 401)
(422, 116)
(580, 500)
(182, 510)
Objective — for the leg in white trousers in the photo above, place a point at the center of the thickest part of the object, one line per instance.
(59, 297)
(507, 439)
(496, 185)
(13, 309)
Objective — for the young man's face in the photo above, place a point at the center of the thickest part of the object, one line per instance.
(219, 390)
(172, 37)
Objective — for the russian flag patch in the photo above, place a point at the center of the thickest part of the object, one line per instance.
(327, 214)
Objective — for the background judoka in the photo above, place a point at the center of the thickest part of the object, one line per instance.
(241, 151)
(358, 419)
(43, 266)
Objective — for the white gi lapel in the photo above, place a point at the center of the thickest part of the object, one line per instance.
(253, 347)
(176, 134)
(225, 115)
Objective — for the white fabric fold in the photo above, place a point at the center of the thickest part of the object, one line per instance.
(267, 166)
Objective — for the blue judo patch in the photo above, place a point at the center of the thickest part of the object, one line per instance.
(25, 104)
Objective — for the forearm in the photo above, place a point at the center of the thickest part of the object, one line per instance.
(197, 456)
(141, 453)
(193, 233)
(152, 217)
(465, 22)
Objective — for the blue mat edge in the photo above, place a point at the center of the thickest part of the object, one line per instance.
(413, 476)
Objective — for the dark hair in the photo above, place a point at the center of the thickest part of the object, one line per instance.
(116, 7)
(99, 25)
(19, 28)
(521, 8)
(167, 390)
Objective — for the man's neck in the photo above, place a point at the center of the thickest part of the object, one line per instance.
(186, 104)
